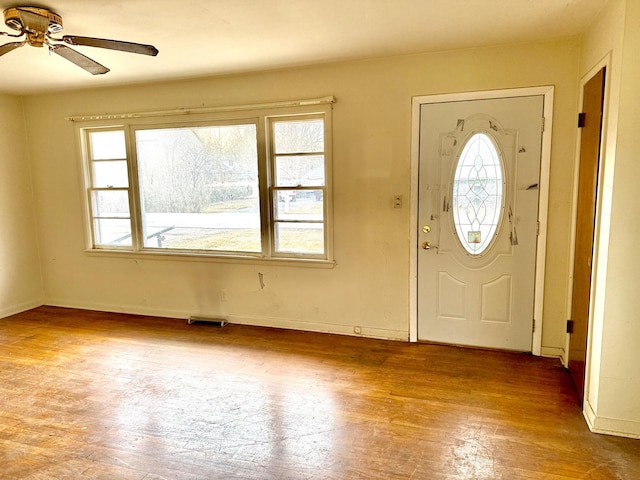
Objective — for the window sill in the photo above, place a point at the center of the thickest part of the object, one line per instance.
(211, 258)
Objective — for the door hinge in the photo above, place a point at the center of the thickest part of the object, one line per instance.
(581, 117)
(537, 229)
(569, 326)
(543, 124)
(533, 326)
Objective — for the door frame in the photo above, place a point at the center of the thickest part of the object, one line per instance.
(602, 229)
(570, 337)
(545, 162)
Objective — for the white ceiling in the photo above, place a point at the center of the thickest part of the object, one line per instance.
(211, 37)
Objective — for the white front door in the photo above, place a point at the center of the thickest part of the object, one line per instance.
(479, 175)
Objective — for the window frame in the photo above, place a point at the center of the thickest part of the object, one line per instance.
(274, 188)
(263, 117)
(90, 188)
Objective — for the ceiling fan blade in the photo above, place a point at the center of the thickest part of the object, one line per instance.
(80, 60)
(9, 47)
(111, 44)
(33, 22)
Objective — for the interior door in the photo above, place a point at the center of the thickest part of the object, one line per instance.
(478, 216)
(591, 121)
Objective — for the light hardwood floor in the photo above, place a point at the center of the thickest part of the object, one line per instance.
(90, 395)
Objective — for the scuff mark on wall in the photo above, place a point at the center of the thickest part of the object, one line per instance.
(261, 280)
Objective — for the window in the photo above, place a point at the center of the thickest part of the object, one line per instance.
(478, 199)
(298, 159)
(239, 184)
(109, 191)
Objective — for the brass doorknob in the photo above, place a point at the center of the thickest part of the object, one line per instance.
(426, 245)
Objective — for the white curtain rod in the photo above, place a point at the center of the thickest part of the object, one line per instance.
(188, 111)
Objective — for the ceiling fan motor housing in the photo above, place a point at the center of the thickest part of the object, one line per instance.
(12, 18)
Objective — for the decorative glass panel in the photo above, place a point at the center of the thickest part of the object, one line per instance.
(478, 194)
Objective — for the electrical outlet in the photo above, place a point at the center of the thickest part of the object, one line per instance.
(223, 295)
(397, 201)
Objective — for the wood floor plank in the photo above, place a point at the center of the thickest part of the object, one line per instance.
(98, 395)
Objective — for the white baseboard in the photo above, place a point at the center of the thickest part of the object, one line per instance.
(610, 426)
(614, 426)
(9, 310)
(553, 352)
(253, 320)
(589, 414)
(128, 309)
(294, 324)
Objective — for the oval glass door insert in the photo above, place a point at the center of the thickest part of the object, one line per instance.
(478, 194)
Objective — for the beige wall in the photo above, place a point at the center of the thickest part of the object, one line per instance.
(613, 383)
(20, 280)
(372, 124)
(619, 376)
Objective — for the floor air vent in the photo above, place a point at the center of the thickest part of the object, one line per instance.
(216, 322)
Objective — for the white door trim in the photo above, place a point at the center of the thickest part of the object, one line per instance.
(602, 229)
(547, 92)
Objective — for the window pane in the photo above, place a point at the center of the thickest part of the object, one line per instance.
(110, 174)
(477, 194)
(304, 170)
(184, 232)
(108, 145)
(305, 205)
(299, 238)
(299, 136)
(112, 232)
(199, 188)
(109, 203)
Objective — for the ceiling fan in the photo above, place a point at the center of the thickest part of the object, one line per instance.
(40, 24)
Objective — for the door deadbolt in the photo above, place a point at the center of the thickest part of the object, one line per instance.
(426, 229)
